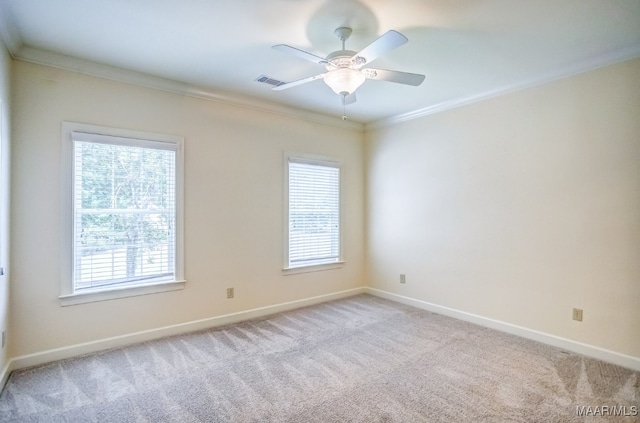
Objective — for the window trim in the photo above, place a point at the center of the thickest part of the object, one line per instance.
(68, 296)
(4, 229)
(321, 161)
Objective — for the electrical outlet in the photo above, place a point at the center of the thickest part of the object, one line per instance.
(577, 314)
(229, 292)
(403, 278)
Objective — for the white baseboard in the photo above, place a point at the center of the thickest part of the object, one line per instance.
(609, 356)
(133, 338)
(43, 357)
(4, 376)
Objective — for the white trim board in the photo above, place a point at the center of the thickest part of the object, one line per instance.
(585, 66)
(592, 351)
(86, 67)
(4, 376)
(48, 356)
(99, 70)
(76, 350)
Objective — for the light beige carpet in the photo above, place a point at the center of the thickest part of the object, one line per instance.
(361, 359)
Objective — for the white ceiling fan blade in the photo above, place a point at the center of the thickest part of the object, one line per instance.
(385, 43)
(348, 99)
(394, 76)
(298, 82)
(300, 53)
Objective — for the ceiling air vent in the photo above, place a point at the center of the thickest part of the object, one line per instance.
(268, 80)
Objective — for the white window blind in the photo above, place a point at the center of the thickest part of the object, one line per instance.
(314, 213)
(124, 211)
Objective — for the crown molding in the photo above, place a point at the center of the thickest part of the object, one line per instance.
(47, 58)
(8, 32)
(86, 67)
(610, 58)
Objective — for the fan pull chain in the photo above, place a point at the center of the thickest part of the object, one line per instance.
(344, 106)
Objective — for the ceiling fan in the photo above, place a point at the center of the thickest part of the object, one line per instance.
(346, 69)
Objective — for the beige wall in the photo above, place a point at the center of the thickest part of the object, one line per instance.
(233, 206)
(5, 70)
(518, 208)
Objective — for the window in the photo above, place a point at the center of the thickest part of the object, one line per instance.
(314, 218)
(124, 233)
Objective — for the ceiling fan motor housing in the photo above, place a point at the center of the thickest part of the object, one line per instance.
(339, 59)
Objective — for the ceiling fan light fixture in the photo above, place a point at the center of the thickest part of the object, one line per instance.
(344, 80)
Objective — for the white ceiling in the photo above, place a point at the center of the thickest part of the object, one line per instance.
(467, 49)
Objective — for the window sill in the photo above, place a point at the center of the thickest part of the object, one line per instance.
(312, 268)
(119, 292)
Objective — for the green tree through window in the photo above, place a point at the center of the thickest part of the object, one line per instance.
(125, 212)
